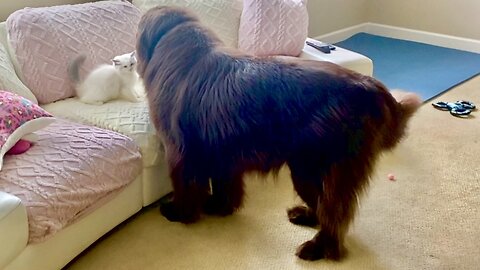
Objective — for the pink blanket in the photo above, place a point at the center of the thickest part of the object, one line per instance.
(70, 171)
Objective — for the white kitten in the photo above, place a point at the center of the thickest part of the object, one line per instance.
(106, 82)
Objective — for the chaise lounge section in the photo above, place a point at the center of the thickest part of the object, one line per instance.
(71, 171)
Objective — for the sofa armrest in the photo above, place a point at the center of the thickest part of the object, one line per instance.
(13, 228)
(342, 57)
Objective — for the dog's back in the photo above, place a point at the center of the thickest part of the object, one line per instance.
(248, 106)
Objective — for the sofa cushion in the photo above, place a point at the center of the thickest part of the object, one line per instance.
(221, 16)
(46, 39)
(8, 77)
(131, 119)
(273, 27)
(18, 118)
(71, 170)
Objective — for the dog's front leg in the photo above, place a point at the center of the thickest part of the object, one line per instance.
(189, 192)
(182, 207)
(227, 192)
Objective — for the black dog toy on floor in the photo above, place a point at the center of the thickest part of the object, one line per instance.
(459, 108)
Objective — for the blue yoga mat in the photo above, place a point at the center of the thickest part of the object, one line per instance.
(421, 68)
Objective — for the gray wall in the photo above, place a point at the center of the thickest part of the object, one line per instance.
(459, 18)
(330, 15)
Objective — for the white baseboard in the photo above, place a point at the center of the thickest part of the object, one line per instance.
(465, 44)
(344, 33)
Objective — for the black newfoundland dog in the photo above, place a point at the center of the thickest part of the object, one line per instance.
(221, 113)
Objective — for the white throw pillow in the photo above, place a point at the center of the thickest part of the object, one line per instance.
(8, 77)
(273, 27)
(221, 16)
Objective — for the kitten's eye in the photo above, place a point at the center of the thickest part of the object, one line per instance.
(124, 66)
(131, 64)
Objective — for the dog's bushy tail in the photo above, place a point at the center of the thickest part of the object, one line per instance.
(409, 102)
(406, 104)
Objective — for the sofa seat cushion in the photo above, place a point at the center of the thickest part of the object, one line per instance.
(131, 119)
(69, 172)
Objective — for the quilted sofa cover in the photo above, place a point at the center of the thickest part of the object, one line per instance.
(132, 120)
(221, 16)
(273, 27)
(69, 172)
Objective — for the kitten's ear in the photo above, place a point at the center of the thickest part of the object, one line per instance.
(133, 54)
(116, 62)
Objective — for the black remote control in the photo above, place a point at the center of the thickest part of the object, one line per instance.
(323, 47)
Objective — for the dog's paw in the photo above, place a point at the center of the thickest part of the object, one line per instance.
(170, 212)
(215, 208)
(310, 251)
(302, 215)
(320, 248)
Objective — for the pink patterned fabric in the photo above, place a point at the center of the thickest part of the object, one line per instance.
(273, 27)
(45, 40)
(15, 111)
(71, 170)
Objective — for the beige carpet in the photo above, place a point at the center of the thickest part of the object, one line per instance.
(428, 219)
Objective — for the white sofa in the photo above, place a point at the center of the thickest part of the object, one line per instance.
(132, 120)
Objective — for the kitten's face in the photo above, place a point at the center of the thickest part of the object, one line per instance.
(125, 62)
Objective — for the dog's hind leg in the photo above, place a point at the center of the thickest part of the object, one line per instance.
(306, 179)
(190, 190)
(227, 192)
(336, 211)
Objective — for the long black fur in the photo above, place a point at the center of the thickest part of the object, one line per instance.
(221, 113)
